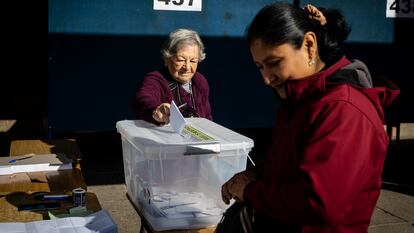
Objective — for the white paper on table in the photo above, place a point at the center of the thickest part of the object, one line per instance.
(5, 170)
(44, 226)
(75, 230)
(34, 163)
(100, 221)
(13, 227)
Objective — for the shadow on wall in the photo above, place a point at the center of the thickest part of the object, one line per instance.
(92, 79)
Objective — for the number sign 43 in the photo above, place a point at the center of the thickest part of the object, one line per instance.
(400, 9)
(178, 5)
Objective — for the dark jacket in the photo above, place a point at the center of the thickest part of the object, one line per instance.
(323, 170)
(154, 91)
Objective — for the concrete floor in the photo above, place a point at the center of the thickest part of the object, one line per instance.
(394, 212)
(113, 198)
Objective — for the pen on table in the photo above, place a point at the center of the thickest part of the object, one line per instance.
(47, 197)
(15, 160)
(56, 197)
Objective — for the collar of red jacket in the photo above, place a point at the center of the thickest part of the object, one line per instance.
(300, 89)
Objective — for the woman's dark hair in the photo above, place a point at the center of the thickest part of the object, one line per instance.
(281, 23)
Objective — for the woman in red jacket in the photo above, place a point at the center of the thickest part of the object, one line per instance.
(178, 80)
(323, 170)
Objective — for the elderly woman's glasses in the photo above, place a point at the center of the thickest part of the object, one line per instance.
(184, 61)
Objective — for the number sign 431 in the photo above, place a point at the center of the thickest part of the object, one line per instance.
(400, 9)
(178, 5)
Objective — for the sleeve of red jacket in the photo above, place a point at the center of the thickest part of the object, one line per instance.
(148, 97)
(336, 164)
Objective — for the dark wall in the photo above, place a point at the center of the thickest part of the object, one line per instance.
(23, 70)
(93, 80)
(97, 53)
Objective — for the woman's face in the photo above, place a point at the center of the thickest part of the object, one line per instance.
(183, 64)
(280, 63)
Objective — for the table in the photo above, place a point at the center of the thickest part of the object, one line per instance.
(146, 226)
(9, 203)
(20, 188)
(66, 146)
(57, 181)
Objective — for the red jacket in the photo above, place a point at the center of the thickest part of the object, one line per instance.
(323, 170)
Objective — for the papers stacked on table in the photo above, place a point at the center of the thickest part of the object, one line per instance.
(34, 163)
(100, 221)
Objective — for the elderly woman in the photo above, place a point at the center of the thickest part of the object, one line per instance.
(178, 80)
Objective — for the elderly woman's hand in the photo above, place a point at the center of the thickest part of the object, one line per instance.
(234, 188)
(162, 113)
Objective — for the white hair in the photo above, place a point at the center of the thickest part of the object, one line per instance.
(180, 38)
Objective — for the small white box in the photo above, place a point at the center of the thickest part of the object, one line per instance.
(176, 181)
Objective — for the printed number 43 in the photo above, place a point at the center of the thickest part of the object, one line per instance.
(178, 2)
(403, 7)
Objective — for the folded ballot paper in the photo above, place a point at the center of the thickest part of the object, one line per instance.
(193, 134)
(181, 126)
(100, 221)
(34, 163)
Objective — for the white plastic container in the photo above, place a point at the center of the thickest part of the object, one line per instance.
(176, 181)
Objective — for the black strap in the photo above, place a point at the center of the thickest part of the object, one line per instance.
(175, 90)
(186, 110)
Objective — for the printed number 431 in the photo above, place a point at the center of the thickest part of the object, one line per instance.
(403, 7)
(178, 2)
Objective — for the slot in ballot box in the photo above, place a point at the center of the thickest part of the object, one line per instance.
(175, 180)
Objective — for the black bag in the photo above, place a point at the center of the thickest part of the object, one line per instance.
(238, 218)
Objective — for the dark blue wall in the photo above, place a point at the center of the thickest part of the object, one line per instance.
(98, 51)
(93, 79)
(217, 18)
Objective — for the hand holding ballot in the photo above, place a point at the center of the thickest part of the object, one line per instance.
(170, 113)
(162, 113)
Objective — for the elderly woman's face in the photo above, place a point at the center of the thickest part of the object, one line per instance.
(183, 64)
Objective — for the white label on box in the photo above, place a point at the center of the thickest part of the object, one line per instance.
(178, 5)
(400, 9)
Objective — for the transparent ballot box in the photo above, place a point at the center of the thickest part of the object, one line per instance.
(175, 179)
